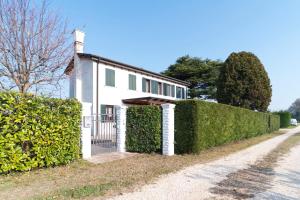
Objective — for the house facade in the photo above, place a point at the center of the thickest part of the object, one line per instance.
(104, 84)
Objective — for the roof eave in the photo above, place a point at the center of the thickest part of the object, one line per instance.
(123, 65)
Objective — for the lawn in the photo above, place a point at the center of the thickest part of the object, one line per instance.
(81, 179)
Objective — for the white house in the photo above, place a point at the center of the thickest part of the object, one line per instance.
(104, 84)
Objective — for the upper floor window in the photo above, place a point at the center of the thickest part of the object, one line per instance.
(167, 89)
(159, 88)
(146, 85)
(180, 93)
(173, 90)
(183, 93)
(110, 77)
(154, 87)
(132, 82)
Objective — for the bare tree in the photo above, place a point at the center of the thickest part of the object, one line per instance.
(34, 46)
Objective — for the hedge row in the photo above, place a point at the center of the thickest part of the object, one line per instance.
(37, 131)
(285, 118)
(200, 125)
(143, 129)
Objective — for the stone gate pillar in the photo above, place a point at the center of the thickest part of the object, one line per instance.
(86, 130)
(121, 128)
(168, 129)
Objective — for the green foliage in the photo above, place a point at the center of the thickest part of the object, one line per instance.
(37, 131)
(201, 74)
(294, 109)
(285, 118)
(200, 125)
(143, 129)
(274, 122)
(244, 82)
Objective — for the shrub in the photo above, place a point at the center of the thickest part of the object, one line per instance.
(244, 82)
(143, 129)
(285, 118)
(200, 125)
(37, 131)
(274, 122)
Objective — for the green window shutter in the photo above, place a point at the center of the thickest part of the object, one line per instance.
(154, 87)
(173, 91)
(110, 77)
(144, 84)
(132, 82)
(113, 78)
(165, 89)
(178, 92)
(103, 112)
(183, 93)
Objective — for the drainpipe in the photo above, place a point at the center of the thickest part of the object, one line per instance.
(97, 98)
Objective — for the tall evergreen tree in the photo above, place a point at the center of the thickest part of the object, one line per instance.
(295, 109)
(202, 74)
(244, 82)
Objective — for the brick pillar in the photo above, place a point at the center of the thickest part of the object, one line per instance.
(121, 128)
(168, 129)
(86, 130)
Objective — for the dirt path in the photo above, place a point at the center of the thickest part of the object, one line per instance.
(250, 173)
(286, 182)
(254, 181)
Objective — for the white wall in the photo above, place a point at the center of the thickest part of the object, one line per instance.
(87, 81)
(72, 79)
(114, 95)
(109, 95)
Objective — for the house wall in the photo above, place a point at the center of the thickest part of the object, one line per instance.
(108, 95)
(83, 86)
(87, 81)
(72, 81)
(114, 95)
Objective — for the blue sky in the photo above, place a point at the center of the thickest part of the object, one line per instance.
(153, 33)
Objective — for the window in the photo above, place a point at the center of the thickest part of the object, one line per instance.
(179, 92)
(172, 90)
(146, 85)
(107, 113)
(167, 89)
(183, 93)
(159, 88)
(154, 87)
(132, 82)
(110, 77)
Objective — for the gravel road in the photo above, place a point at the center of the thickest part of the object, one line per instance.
(199, 181)
(286, 182)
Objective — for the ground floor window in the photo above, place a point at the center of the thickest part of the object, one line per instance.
(107, 113)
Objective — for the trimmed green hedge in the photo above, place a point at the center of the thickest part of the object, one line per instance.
(37, 131)
(143, 129)
(285, 118)
(200, 125)
(274, 124)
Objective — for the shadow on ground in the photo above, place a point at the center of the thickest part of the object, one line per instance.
(255, 179)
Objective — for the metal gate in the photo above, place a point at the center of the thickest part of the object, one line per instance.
(104, 134)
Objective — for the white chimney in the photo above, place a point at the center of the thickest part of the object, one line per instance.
(78, 41)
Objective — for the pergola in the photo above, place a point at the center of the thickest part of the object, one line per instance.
(147, 101)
